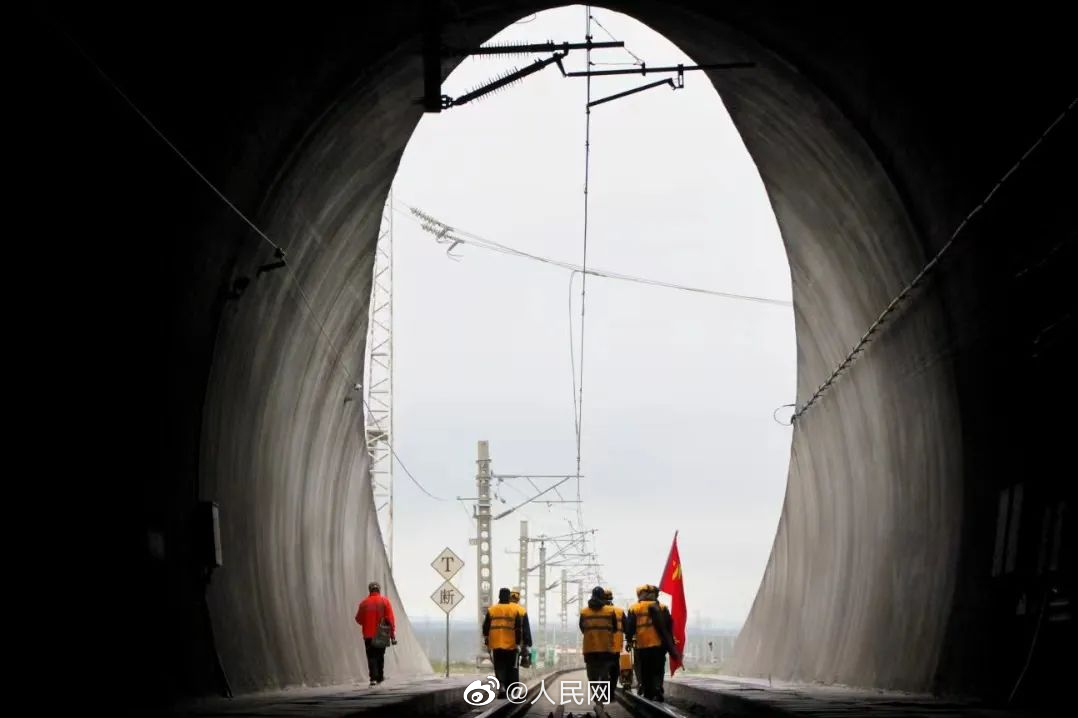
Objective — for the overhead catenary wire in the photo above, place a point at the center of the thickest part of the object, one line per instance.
(636, 58)
(572, 354)
(584, 268)
(336, 354)
(446, 234)
(556, 491)
(407, 472)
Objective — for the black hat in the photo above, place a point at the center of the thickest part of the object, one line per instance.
(598, 592)
(503, 594)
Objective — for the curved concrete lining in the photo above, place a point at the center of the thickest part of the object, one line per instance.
(857, 588)
(283, 428)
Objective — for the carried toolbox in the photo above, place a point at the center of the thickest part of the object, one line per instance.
(625, 664)
(381, 638)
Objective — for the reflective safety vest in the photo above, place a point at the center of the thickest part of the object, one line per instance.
(647, 634)
(598, 626)
(504, 618)
(525, 629)
(619, 634)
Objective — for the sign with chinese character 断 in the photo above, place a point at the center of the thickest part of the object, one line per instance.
(447, 596)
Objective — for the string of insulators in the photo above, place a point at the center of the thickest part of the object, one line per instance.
(510, 78)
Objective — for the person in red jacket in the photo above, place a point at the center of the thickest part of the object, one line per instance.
(373, 610)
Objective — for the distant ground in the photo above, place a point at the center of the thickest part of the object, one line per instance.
(464, 643)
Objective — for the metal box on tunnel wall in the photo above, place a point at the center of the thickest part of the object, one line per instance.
(208, 532)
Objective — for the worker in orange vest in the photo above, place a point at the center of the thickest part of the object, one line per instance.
(375, 616)
(526, 629)
(503, 635)
(648, 630)
(599, 623)
(623, 667)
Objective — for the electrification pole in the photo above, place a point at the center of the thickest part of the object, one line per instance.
(564, 602)
(522, 564)
(542, 588)
(484, 579)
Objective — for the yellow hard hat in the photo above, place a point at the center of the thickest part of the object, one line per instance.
(647, 590)
(514, 595)
(608, 594)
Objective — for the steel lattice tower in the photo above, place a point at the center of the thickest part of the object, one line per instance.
(378, 390)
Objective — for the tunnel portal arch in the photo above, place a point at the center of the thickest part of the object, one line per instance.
(857, 537)
(882, 570)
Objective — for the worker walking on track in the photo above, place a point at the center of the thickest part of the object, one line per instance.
(503, 635)
(525, 629)
(624, 661)
(598, 623)
(375, 615)
(648, 629)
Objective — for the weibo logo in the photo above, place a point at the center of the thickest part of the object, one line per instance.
(480, 693)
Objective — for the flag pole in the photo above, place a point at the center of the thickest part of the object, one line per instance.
(678, 601)
(668, 555)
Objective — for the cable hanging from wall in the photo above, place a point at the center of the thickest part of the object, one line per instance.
(906, 294)
(278, 251)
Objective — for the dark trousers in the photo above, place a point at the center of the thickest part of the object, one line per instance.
(652, 665)
(598, 667)
(376, 661)
(505, 667)
(615, 671)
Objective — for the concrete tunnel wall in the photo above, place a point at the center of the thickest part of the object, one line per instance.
(856, 589)
(871, 155)
(283, 445)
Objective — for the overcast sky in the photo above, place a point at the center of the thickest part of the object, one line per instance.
(679, 388)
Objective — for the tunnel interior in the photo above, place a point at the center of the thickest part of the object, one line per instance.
(925, 540)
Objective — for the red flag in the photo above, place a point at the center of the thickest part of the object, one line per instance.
(672, 584)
